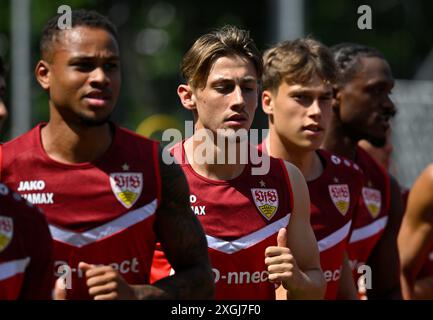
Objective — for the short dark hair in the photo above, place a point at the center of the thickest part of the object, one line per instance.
(80, 17)
(296, 62)
(347, 55)
(2, 68)
(226, 41)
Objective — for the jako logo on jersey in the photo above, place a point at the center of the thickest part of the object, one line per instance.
(340, 195)
(198, 210)
(266, 201)
(35, 198)
(31, 185)
(241, 277)
(127, 187)
(373, 200)
(6, 231)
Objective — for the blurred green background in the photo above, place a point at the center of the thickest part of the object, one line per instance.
(154, 35)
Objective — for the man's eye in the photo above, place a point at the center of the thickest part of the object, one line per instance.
(300, 97)
(111, 66)
(84, 66)
(325, 98)
(224, 88)
(377, 90)
(248, 88)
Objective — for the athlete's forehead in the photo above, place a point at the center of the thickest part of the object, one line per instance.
(232, 68)
(373, 69)
(315, 85)
(86, 42)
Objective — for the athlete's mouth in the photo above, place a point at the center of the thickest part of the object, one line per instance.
(98, 98)
(313, 128)
(98, 95)
(237, 118)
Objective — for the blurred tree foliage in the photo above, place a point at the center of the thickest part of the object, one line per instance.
(402, 29)
(154, 35)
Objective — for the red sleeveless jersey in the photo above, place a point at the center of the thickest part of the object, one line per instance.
(241, 218)
(372, 214)
(100, 212)
(334, 198)
(25, 249)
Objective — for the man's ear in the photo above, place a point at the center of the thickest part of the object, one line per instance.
(267, 102)
(336, 100)
(187, 97)
(42, 72)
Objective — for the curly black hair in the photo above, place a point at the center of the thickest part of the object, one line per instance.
(80, 17)
(347, 55)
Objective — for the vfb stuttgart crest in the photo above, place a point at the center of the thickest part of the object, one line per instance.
(266, 201)
(340, 195)
(373, 200)
(127, 187)
(6, 231)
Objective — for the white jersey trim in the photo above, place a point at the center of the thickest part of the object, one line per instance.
(247, 241)
(127, 220)
(335, 237)
(12, 268)
(369, 230)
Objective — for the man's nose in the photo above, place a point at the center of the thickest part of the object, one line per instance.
(389, 106)
(99, 76)
(238, 96)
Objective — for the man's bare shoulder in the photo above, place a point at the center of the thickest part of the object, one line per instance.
(420, 202)
(293, 172)
(427, 174)
(424, 183)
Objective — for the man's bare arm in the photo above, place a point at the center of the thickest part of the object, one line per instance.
(416, 236)
(305, 278)
(384, 260)
(183, 241)
(347, 287)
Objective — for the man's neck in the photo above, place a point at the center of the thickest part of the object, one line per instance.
(338, 140)
(307, 161)
(72, 145)
(211, 161)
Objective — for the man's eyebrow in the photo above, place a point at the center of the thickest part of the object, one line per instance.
(243, 80)
(93, 58)
(380, 82)
(380, 79)
(310, 91)
(249, 79)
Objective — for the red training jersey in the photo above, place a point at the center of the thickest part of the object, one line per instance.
(101, 212)
(372, 213)
(334, 197)
(25, 249)
(241, 218)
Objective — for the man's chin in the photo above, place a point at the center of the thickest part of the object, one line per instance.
(94, 122)
(234, 135)
(378, 142)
